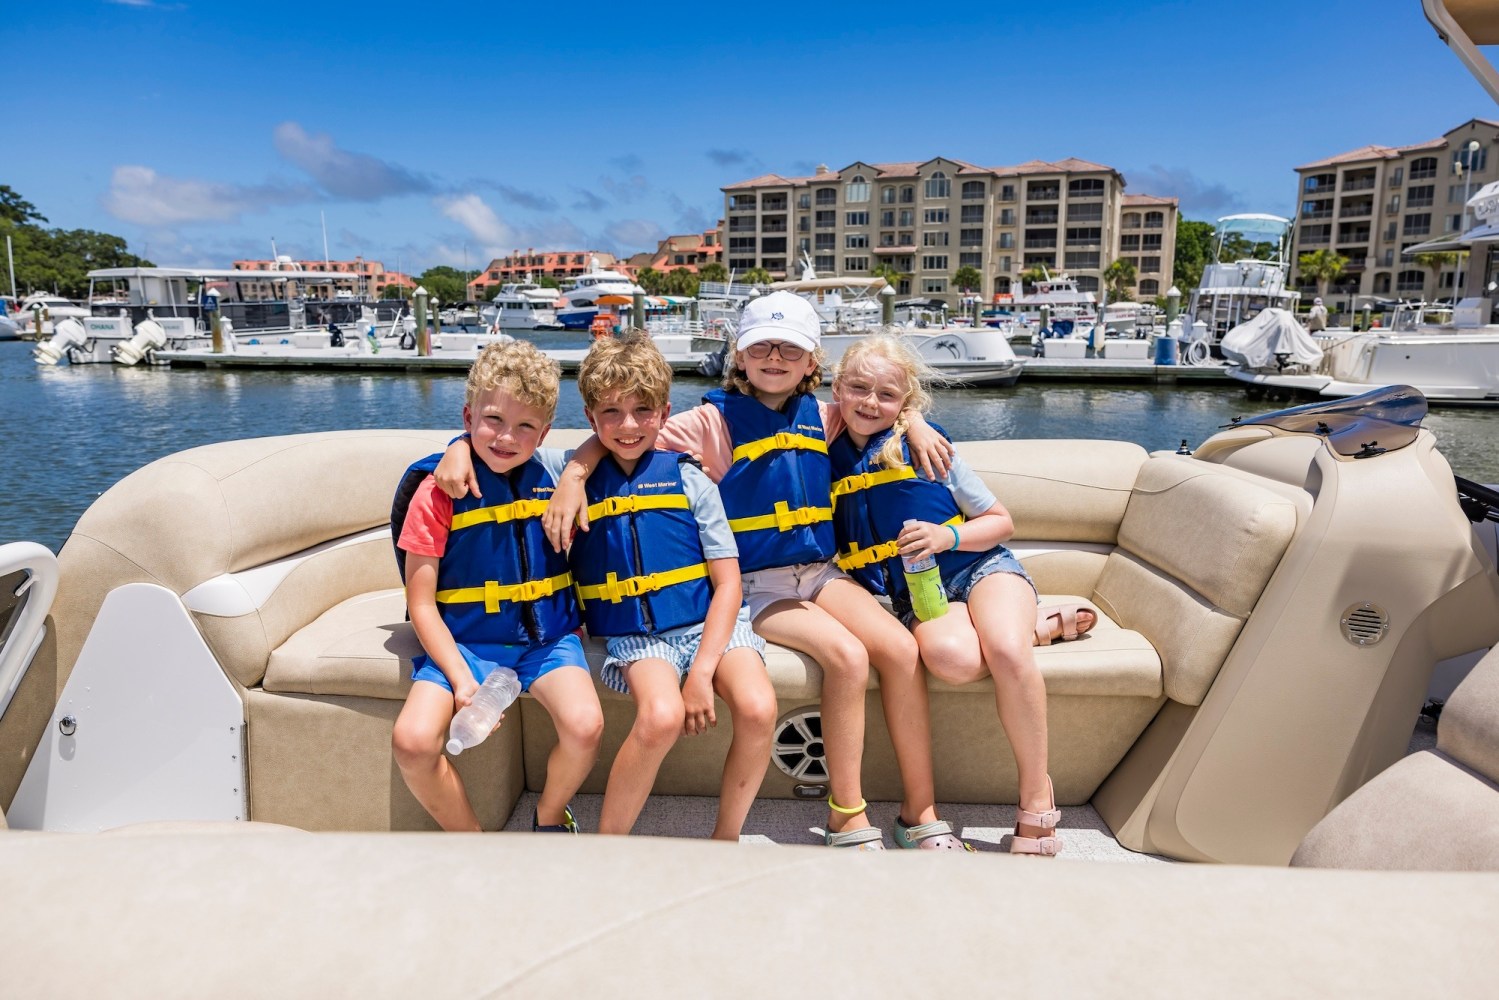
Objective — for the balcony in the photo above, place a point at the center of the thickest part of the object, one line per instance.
(1362, 184)
(742, 226)
(1359, 211)
(903, 248)
(1043, 194)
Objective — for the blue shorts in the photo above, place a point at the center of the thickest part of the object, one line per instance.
(676, 647)
(997, 560)
(528, 662)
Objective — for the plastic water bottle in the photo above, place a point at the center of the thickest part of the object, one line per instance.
(924, 581)
(473, 723)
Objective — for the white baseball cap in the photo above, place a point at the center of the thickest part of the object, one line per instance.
(780, 316)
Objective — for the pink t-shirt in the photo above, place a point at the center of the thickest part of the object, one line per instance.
(428, 520)
(703, 431)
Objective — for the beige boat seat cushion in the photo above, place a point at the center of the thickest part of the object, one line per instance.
(362, 647)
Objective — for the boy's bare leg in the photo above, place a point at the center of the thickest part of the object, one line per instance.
(659, 715)
(903, 694)
(845, 676)
(743, 684)
(1006, 604)
(417, 743)
(568, 696)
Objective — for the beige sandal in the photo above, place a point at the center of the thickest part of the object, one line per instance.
(1048, 819)
(1067, 627)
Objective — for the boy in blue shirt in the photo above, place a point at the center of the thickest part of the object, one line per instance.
(485, 590)
(657, 574)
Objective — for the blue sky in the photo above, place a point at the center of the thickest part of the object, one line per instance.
(448, 133)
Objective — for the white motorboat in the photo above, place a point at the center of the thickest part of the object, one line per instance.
(579, 304)
(140, 314)
(522, 305)
(37, 315)
(1234, 288)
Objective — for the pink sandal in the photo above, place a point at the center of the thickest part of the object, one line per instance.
(1049, 846)
(1067, 618)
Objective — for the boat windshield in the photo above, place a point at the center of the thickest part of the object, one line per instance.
(1382, 420)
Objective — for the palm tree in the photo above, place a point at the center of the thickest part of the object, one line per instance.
(893, 276)
(679, 281)
(1322, 266)
(757, 276)
(650, 279)
(1031, 275)
(1120, 277)
(1436, 263)
(713, 272)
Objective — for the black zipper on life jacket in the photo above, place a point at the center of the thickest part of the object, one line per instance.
(527, 608)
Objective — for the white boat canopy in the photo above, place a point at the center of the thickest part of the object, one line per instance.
(1272, 339)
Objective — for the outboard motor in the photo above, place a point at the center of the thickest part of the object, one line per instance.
(408, 333)
(68, 335)
(149, 336)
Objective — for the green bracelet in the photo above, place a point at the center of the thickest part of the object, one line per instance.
(954, 530)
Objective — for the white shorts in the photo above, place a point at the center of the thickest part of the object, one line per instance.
(763, 588)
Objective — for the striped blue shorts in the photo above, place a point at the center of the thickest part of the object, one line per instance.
(677, 647)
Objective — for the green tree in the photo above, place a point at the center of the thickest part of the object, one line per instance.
(892, 275)
(713, 272)
(1436, 263)
(1194, 251)
(1120, 277)
(967, 279)
(757, 276)
(399, 291)
(59, 259)
(680, 281)
(652, 280)
(1322, 266)
(447, 284)
(547, 281)
(1031, 275)
(14, 208)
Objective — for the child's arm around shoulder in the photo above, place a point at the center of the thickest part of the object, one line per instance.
(569, 503)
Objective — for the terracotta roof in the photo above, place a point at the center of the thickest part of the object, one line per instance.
(1073, 165)
(911, 168)
(1148, 199)
(1374, 152)
(764, 180)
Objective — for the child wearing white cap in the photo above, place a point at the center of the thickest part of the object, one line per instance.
(763, 438)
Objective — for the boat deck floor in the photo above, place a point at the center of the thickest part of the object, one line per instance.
(790, 821)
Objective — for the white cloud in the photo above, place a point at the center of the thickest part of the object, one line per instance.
(635, 234)
(471, 212)
(341, 172)
(141, 195)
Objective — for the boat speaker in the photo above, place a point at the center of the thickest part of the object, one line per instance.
(1364, 624)
(797, 748)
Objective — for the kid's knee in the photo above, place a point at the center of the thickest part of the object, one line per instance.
(756, 712)
(953, 660)
(411, 745)
(846, 659)
(1010, 659)
(581, 726)
(659, 723)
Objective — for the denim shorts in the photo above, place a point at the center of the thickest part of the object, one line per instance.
(528, 662)
(997, 560)
(676, 647)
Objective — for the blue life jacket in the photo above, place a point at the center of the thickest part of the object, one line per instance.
(640, 567)
(776, 492)
(870, 506)
(499, 581)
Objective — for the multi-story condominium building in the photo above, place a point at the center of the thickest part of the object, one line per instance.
(928, 219)
(1372, 203)
(372, 277)
(533, 264)
(1147, 239)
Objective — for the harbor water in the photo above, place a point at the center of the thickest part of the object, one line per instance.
(68, 434)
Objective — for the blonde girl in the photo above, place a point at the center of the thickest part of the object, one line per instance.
(764, 438)
(884, 511)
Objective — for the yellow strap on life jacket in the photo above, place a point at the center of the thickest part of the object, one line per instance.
(493, 592)
(867, 480)
(780, 441)
(615, 590)
(784, 518)
(856, 558)
(614, 506)
(500, 513)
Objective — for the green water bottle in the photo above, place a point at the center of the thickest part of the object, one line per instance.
(924, 581)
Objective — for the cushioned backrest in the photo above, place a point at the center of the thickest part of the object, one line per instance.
(1196, 547)
(1074, 491)
(223, 508)
(1469, 730)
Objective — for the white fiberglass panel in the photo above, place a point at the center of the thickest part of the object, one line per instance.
(148, 727)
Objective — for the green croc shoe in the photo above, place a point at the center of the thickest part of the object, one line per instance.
(568, 824)
(934, 836)
(866, 838)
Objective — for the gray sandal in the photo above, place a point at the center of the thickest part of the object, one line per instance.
(934, 836)
(866, 838)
